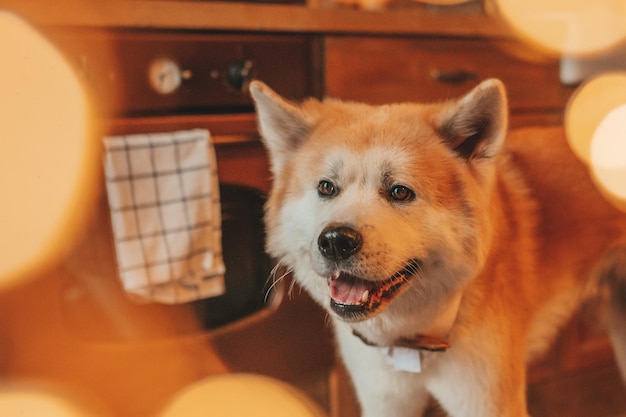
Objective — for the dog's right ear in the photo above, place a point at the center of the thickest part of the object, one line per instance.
(283, 125)
(475, 126)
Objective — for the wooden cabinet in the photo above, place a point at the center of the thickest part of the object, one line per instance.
(393, 69)
(578, 377)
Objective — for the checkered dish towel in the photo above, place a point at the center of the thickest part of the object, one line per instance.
(165, 211)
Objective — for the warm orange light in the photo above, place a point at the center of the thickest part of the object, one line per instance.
(31, 401)
(608, 156)
(570, 27)
(241, 395)
(443, 2)
(589, 106)
(47, 161)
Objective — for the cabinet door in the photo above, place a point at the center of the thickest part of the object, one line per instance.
(392, 69)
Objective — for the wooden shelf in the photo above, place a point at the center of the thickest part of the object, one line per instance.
(229, 16)
(226, 129)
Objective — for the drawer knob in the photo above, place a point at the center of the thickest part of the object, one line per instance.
(240, 74)
(454, 77)
(165, 76)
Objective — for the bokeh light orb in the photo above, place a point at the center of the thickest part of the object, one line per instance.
(587, 108)
(48, 161)
(608, 156)
(566, 27)
(40, 400)
(237, 395)
(443, 2)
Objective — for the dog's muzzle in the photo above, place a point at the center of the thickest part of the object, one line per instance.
(352, 297)
(338, 243)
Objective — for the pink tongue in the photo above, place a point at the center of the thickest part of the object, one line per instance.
(347, 290)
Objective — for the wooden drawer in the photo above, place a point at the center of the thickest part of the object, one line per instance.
(214, 69)
(378, 70)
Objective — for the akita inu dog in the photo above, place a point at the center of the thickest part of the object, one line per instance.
(445, 256)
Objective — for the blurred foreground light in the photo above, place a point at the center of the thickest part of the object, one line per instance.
(569, 27)
(237, 395)
(588, 106)
(608, 156)
(47, 161)
(31, 401)
(443, 2)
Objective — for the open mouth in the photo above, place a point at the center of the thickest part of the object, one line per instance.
(354, 298)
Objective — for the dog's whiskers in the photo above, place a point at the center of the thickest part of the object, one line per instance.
(415, 268)
(274, 278)
(291, 287)
(414, 278)
(327, 320)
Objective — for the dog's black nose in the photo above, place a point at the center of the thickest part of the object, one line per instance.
(339, 242)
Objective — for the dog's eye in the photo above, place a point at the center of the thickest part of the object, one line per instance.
(326, 188)
(401, 193)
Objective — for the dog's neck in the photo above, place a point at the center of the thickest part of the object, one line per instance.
(436, 337)
(418, 341)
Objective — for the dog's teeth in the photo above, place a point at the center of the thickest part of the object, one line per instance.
(365, 296)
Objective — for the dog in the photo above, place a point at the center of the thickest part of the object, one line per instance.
(446, 256)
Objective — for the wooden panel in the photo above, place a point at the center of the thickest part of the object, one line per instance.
(216, 15)
(224, 128)
(585, 345)
(115, 67)
(244, 164)
(381, 70)
(594, 392)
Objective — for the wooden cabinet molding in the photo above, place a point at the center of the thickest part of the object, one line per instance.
(241, 16)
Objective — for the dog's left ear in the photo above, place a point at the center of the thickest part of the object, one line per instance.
(475, 126)
(283, 125)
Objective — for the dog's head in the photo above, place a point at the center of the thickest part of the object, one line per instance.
(381, 208)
